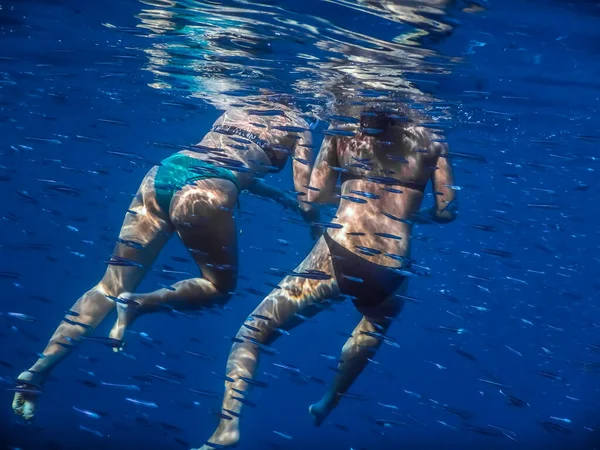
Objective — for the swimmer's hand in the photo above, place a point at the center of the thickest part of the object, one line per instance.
(448, 213)
(433, 215)
(286, 199)
(423, 217)
(289, 201)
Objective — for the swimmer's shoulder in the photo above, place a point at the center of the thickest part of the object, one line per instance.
(439, 148)
(296, 118)
(424, 138)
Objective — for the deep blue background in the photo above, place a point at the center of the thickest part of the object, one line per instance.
(537, 93)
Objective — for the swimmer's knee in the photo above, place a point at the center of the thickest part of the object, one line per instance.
(221, 298)
(250, 330)
(349, 345)
(107, 288)
(362, 341)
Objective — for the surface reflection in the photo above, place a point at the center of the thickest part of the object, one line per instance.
(226, 52)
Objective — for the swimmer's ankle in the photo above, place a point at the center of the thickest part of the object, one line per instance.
(32, 377)
(226, 435)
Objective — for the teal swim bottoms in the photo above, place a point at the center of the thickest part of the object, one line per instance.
(179, 170)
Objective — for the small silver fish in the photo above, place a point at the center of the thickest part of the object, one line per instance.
(355, 279)
(89, 414)
(26, 390)
(127, 387)
(561, 419)
(514, 351)
(441, 422)
(394, 407)
(89, 430)
(21, 316)
(261, 317)
(287, 367)
(224, 377)
(283, 435)
(251, 328)
(142, 403)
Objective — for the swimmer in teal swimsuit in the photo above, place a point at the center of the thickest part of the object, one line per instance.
(192, 193)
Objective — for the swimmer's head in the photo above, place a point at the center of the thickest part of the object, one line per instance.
(378, 120)
(270, 96)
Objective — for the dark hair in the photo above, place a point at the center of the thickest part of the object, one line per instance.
(378, 119)
(374, 112)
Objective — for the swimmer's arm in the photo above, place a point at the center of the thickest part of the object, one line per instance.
(445, 207)
(323, 177)
(301, 168)
(263, 189)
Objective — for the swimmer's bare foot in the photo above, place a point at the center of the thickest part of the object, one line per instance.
(126, 314)
(226, 436)
(24, 405)
(319, 412)
(24, 402)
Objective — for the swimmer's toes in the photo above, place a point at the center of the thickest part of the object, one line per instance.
(17, 404)
(28, 410)
(118, 343)
(117, 333)
(119, 346)
(23, 408)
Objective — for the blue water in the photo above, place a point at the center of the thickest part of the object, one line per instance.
(515, 82)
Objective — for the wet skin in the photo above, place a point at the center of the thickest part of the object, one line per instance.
(426, 160)
(201, 215)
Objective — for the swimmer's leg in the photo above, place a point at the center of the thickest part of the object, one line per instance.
(357, 351)
(203, 217)
(145, 233)
(282, 309)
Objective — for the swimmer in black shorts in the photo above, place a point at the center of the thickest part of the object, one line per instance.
(385, 160)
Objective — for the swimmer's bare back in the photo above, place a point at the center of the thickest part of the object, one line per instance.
(382, 190)
(200, 212)
(281, 127)
(383, 182)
